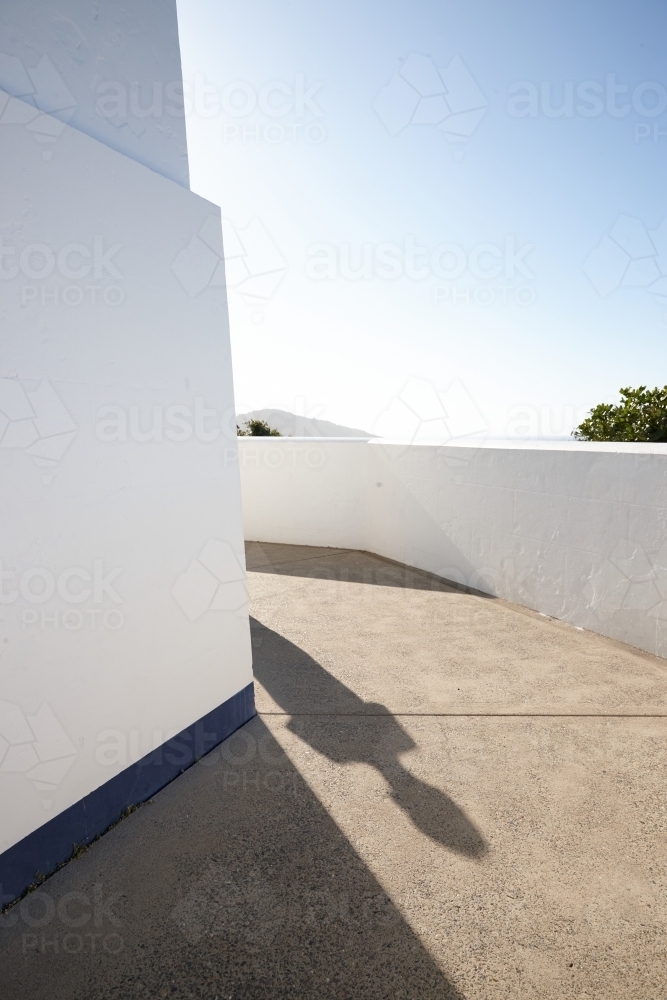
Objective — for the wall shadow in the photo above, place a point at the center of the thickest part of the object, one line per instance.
(233, 882)
(347, 565)
(340, 725)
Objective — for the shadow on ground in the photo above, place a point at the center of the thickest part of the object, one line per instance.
(234, 882)
(349, 566)
(296, 682)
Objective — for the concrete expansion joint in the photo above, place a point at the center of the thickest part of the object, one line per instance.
(472, 715)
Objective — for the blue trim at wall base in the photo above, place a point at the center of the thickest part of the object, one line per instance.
(48, 847)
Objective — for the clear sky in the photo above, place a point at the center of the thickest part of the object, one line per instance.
(419, 242)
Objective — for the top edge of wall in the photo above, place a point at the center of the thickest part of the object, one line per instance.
(612, 447)
(306, 437)
(608, 447)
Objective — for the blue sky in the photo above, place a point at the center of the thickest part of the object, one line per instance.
(303, 131)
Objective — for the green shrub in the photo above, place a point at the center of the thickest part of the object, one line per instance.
(640, 416)
(257, 428)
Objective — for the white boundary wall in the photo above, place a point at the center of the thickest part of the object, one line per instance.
(573, 530)
(304, 491)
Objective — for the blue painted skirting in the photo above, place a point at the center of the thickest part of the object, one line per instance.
(52, 844)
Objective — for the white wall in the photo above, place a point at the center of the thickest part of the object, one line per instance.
(118, 462)
(111, 70)
(573, 530)
(304, 491)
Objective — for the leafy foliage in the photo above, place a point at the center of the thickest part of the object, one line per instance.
(257, 428)
(640, 416)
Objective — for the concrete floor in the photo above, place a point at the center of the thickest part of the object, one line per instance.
(443, 796)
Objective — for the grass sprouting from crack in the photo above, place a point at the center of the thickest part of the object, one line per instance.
(78, 850)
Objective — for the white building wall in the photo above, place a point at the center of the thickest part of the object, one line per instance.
(572, 530)
(123, 608)
(111, 70)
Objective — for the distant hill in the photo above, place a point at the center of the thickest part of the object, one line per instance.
(291, 425)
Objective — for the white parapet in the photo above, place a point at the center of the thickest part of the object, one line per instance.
(573, 530)
(304, 491)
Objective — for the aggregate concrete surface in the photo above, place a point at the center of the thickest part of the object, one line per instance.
(443, 796)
